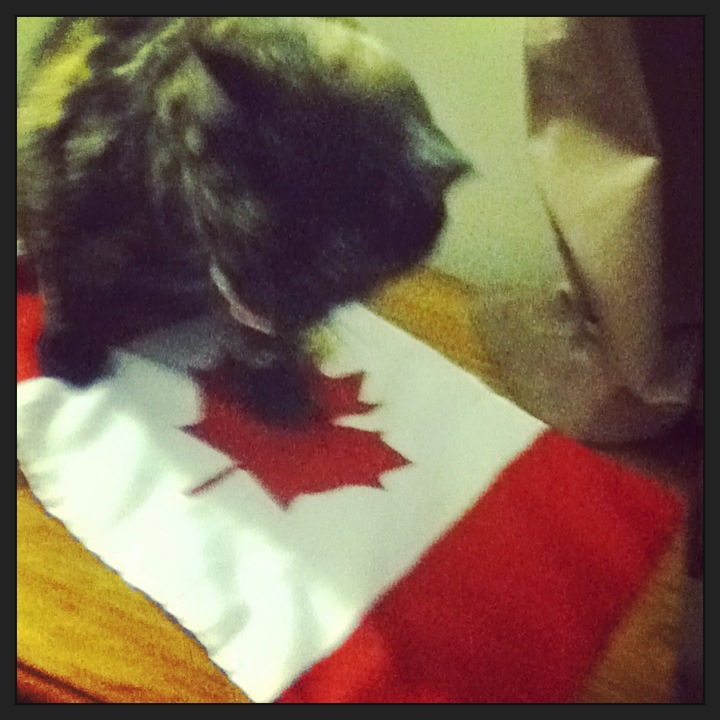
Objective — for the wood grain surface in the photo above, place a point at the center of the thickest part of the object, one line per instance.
(84, 636)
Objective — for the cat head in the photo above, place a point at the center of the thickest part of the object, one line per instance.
(307, 156)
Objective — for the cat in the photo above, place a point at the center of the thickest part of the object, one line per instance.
(267, 170)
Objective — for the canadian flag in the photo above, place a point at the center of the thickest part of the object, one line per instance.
(423, 540)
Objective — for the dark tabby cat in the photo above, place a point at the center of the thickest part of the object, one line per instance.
(268, 168)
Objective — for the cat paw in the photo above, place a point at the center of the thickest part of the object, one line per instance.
(275, 396)
(72, 357)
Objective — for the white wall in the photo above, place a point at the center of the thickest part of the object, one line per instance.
(470, 70)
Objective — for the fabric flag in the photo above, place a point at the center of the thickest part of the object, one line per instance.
(423, 540)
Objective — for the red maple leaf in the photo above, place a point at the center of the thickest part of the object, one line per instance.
(318, 457)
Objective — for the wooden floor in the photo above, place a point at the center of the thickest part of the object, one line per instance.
(74, 614)
(640, 662)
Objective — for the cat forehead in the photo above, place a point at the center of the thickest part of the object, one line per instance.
(335, 52)
(356, 56)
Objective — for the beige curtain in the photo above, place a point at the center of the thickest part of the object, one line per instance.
(613, 352)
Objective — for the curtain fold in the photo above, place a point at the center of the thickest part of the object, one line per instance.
(611, 352)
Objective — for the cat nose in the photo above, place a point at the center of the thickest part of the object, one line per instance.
(439, 162)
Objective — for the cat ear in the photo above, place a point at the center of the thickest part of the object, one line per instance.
(238, 80)
(125, 26)
(435, 156)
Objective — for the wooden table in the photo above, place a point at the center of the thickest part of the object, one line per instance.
(84, 636)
